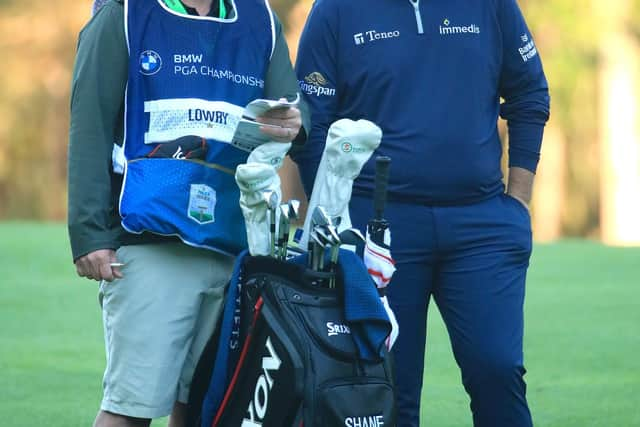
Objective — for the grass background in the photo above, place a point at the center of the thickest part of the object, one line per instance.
(582, 339)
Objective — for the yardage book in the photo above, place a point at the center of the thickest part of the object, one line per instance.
(248, 135)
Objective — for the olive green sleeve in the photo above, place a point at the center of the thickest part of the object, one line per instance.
(281, 80)
(97, 103)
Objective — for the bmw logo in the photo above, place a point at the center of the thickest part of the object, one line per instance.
(150, 62)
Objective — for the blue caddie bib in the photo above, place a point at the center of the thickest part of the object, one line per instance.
(190, 75)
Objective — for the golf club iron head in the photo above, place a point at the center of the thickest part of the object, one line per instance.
(352, 236)
(294, 210)
(283, 231)
(270, 197)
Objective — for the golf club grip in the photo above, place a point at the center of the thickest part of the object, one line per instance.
(381, 181)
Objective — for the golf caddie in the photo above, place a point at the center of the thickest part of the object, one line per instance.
(158, 89)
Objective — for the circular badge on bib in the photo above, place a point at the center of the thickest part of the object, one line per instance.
(150, 62)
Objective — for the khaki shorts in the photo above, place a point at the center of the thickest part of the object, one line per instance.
(157, 321)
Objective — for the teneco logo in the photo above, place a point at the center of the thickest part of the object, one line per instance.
(527, 51)
(150, 62)
(258, 406)
(334, 329)
(373, 35)
(315, 84)
(447, 29)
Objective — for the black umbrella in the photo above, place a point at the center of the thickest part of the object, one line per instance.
(377, 226)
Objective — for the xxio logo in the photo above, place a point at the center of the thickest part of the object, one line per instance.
(150, 62)
(373, 35)
(258, 406)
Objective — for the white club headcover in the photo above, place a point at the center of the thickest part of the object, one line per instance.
(395, 328)
(253, 179)
(378, 260)
(348, 147)
(270, 153)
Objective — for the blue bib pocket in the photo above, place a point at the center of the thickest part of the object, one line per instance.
(195, 201)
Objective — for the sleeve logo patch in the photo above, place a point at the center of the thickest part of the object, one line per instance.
(528, 50)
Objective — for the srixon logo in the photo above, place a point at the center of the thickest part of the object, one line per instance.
(258, 406)
(337, 328)
(370, 421)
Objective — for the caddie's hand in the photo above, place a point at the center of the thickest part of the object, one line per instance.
(96, 265)
(288, 119)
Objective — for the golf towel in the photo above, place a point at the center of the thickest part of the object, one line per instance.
(363, 310)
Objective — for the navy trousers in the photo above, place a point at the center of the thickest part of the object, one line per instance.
(472, 260)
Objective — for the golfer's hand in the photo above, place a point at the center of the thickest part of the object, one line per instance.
(520, 199)
(288, 119)
(96, 265)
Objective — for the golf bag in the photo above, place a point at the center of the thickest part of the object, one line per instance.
(290, 352)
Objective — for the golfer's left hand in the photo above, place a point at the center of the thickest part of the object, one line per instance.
(288, 119)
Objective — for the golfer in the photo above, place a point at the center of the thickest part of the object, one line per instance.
(432, 75)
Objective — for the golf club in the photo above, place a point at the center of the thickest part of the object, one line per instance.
(270, 197)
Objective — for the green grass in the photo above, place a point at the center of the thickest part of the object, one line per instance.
(582, 342)
(582, 337)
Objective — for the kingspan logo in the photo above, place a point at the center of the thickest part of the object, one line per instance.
(316, 78)
(150, 62)
(315, 84)
(447, 29)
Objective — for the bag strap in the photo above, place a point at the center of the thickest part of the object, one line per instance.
(219, 377)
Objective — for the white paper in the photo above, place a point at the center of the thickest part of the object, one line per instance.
(248, 135)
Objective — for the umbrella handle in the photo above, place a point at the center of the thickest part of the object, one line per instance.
(381, 181)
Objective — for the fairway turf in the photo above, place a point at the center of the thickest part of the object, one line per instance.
(582, 346)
